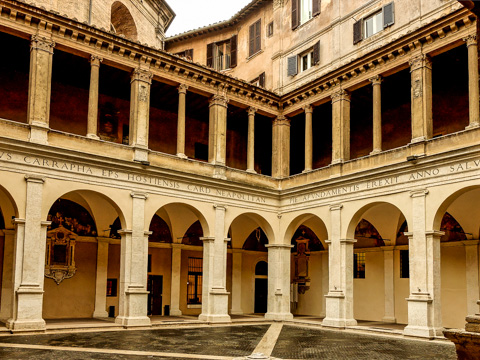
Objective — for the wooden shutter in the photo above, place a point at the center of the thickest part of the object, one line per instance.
(317, 7)
(251, 40)
(189, 54)
(210, 55)
(295, 13)
(292, 66)
(261, 80)
(357, 32)
(258, 36)
(316, 53)
(388, 15)
(233, 51)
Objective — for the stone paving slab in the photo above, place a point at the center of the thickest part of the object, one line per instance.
(307, 343)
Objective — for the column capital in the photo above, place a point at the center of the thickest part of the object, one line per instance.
(279, 246)
(376, 80)
(470, 39)
(281, 120)
(34, 178)
(251, 111)
(176, 246)
(139, 195)
(336, 207)
(340, 95)
(419, 193)
(420, 61)
(42, 43)
(207, 239)
(219, 100)
(434, 234)
(220, 207)
(278, 4)
(182, 88)
(348, 241)
(142, 75)
(308, 109)
(95, 60)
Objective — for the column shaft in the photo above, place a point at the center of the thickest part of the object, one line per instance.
(217, 134)
(175, 285)
(251, 141)
(377, 114)
(39, 91)
(308, 138)
(93, 97)
(101, 279)
(281, 147)
(182, 95)
(473, 86)
(340, 127)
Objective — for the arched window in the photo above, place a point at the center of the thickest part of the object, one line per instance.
(122, 22)
(261, 268)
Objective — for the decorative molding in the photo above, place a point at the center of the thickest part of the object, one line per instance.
(219, 100)
(34, 179)
(281, 121)
(182, 89)
(376, 80)
(470, 39)
(278, 4)
(308, 109)
(336, 207)
(42, 43)
(95, 60)
(340, 95)
(142, 75)
(419, 193)
(251, 111)
(139, 195)
(419, 62)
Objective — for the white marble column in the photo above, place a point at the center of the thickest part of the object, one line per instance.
(473, 86)
(29, 268)
(251, 141)
(472, 277)
(214, 290)
(6, 309)
(340, 127)
(133, 268)
(377, 114)
(339, 301)
(278, 299)
(281, 147)
(237, 255)
(140, 112)
(388, 271)
(424, 309)
(182, 99)
(175, 284)
(92, 127)
(324, 283)
(101, 278)
(308, 138)
(39, 90)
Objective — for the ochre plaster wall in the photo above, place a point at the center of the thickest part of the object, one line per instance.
(162, 265)
(114, 273)
(401, 289)
(311, 303)
(249, 260)
(183, 281)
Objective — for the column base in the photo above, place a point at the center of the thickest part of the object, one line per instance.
(335, 311)
(421, 319)
(389, 319)
(130, 321)
(236, 312)
(175, 312)
(375, 151)
(140, 154)
(38, 133)
(423, 331)
(418, 139)
(93, 136)
(472, 126)
(219, 172)
(251, 171)
(278, 316)
(25, 325)
(182, 156)
(217, 307)
(101, 314)
(212, 318)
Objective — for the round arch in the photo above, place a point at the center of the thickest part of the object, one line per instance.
(252, 222)
(122, 21)
(8, 206)
(315, 223)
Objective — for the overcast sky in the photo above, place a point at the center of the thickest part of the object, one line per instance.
(192, 14)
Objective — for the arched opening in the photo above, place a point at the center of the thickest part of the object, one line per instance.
(256, 241)
(193, 234)
(122, 22)
(261, 287)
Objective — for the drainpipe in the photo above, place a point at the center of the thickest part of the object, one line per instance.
(90, 13)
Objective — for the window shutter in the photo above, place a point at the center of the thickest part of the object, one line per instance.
(189, 54)
(251, 47)
(210, 55)
(261, 80)
(388, 15)
(258, 38)
(292, 66)
(295, 14)
(233, 51)
(357, 32)
(316, 53)
(317, 7)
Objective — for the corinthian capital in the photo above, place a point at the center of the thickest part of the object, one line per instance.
(42, 43)
(142, 75)
(470, 39)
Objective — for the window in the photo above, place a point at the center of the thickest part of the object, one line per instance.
(404, 264)
(255, 40)
(304, 10)
(270, 29)
(259, 81)
(223, 54)
(112, 287)
(194, 284)
(304, 61)
(372, 24)
(188, 54)
(359, 265)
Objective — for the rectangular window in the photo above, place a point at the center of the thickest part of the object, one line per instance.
(306, 61)
(359, 265)
(188, 54)
(306, 11)
(404, 264)
(270, 29)
(255, 41)
(112, 287)
(194, 284)
(373, 24)
(221, 55)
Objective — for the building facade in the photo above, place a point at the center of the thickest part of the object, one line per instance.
(302, 158)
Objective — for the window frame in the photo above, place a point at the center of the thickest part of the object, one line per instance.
(197, 285)
(255, 38)
(359, 258)
(375, 23)
(404, 270)
(270, 29)
(387, 13)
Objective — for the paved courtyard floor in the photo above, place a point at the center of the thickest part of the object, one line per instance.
(281, 341)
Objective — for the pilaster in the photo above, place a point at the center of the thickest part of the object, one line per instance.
(281, 147)
(92, 127)
(182, 95)
(140, 112)
(340, 127)
(175, 284)
(472, 275)
(377, 114)
(473, 86)
(389, 281)
(101, 278)
(6, 302)
(308, 138)
(251, 141)
(237, 257)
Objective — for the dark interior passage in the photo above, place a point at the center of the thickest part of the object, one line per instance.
(361, 122)
(322, 135)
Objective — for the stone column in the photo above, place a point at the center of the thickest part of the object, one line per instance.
(472, 268)
(377, 114)
(340, 127)
(29, 258)
(6, 310)
(308, 138)
(39, 89)
(140, 112)
(182, 98)
(339, 301)
(214, 289)
(281, 147)
(473, 87)
(133, 268)
(388, 270)
(101, 278)
(237, 256)
(251, 141)
(421, 72)
(424, 310)
(278, 299)
(217, 134)
(175, 285)
(93, 97)
(325, 285)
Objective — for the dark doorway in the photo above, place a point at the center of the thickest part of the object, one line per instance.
(261, 291)
(155, 288)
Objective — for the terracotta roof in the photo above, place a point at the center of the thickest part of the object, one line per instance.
(253, 5)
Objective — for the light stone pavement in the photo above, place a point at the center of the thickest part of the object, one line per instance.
(227, 342)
